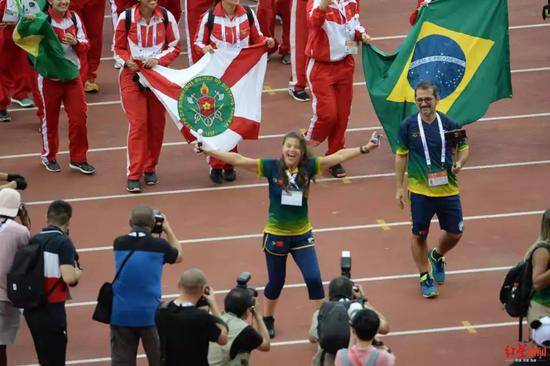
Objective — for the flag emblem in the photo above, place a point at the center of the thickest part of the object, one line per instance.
(447, 58)
(206, 103)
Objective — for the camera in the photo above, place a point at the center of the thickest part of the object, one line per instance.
(242, 282)
(202, 301)
(546, 11)
(159, 221)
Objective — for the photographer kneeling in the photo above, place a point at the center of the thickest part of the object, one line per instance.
(330, 325)
(242, 338)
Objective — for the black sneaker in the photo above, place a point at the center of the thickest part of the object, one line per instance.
(229, 174)
(270, 325)
(4, 116)
(150, 178)
(133, 186)
(84, 167)
(337, 171)
(299, 95)
(51, 165)
(216, 176)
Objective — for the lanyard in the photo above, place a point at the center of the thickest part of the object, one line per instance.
(425, 144)
(292, 179)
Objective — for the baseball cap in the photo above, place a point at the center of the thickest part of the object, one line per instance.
(10, 200)
(540, 331)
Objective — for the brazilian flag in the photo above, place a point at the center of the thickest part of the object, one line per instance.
(462, 46)
(38, 39)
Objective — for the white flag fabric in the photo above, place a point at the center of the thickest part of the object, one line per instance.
(220, 95)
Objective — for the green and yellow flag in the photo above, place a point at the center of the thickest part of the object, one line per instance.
(40, 42)
(462, 46)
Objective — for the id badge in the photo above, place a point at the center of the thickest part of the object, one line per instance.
(438, 178)
(291, 198)
(351, 47)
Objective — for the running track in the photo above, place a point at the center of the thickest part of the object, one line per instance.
(504, 191)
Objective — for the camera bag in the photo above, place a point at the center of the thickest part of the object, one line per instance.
(104, 306)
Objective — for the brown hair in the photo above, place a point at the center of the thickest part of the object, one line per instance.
(303, 177)
(544, 236)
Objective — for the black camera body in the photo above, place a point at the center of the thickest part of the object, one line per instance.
(242, 282)
(345, 264)
(455, 136)
(159, 221)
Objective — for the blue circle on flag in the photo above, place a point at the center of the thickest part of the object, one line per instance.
(438, 59)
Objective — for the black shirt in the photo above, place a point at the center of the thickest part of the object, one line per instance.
(247, 341)
(185, 332)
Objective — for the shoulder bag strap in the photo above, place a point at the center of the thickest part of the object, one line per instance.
(125, 261)
(373, 357)
(344, 353)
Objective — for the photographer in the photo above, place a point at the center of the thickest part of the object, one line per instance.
(327, 328)
(13, 236)
(242, 338)
(137, 291)
(185, 330)
(14, 181)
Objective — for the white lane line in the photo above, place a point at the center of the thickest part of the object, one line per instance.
(358, 83)
(324, 230)
(358, 280)
(256, 185)
(305, 341)
(279, 135)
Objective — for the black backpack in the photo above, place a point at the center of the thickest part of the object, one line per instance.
(333, 326)
(210, 20)
(25, 280)
(517, 288)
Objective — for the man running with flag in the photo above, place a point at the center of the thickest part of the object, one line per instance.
(56, 41)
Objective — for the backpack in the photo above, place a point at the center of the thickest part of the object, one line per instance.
(516, 290)
(333, 326)
(25, 280)
(210, 20)
(128, 18)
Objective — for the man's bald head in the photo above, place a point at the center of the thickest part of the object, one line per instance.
(192, 281)
(143, 217)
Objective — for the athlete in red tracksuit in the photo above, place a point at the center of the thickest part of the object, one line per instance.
(194, 9)
(238, 34)
(16, 76)
(173, 6)
(298, 40)
(92, 13)
(51, 93)
(267, 10)
(146, 44)
(334, 33)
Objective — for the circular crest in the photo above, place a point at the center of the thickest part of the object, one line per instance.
(206, 103)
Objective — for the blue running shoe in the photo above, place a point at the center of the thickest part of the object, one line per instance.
(438, 267)
(427, 286)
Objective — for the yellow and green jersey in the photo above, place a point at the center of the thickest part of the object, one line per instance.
(285, 219)
(410, 143)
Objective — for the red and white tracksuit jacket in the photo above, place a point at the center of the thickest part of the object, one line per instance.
(298, 39)
(330, 68)
(227, 33)
(52, 93)
(194, 9)
(267, 10)
(17, 75)
(144, 112)
(118, 6)
(92, 13)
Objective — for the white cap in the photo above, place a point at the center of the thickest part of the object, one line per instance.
(10, 200)
(540, 332)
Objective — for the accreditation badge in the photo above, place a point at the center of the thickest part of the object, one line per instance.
(438, 178)
(351, 47)
(291, 198)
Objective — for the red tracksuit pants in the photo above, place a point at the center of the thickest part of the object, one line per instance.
(194, 9)
(331, 85)
(16, 74)
(219, 164)
(92, 14)
(267, 10)
(298, 40)
(49, 98)
(146, 131)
